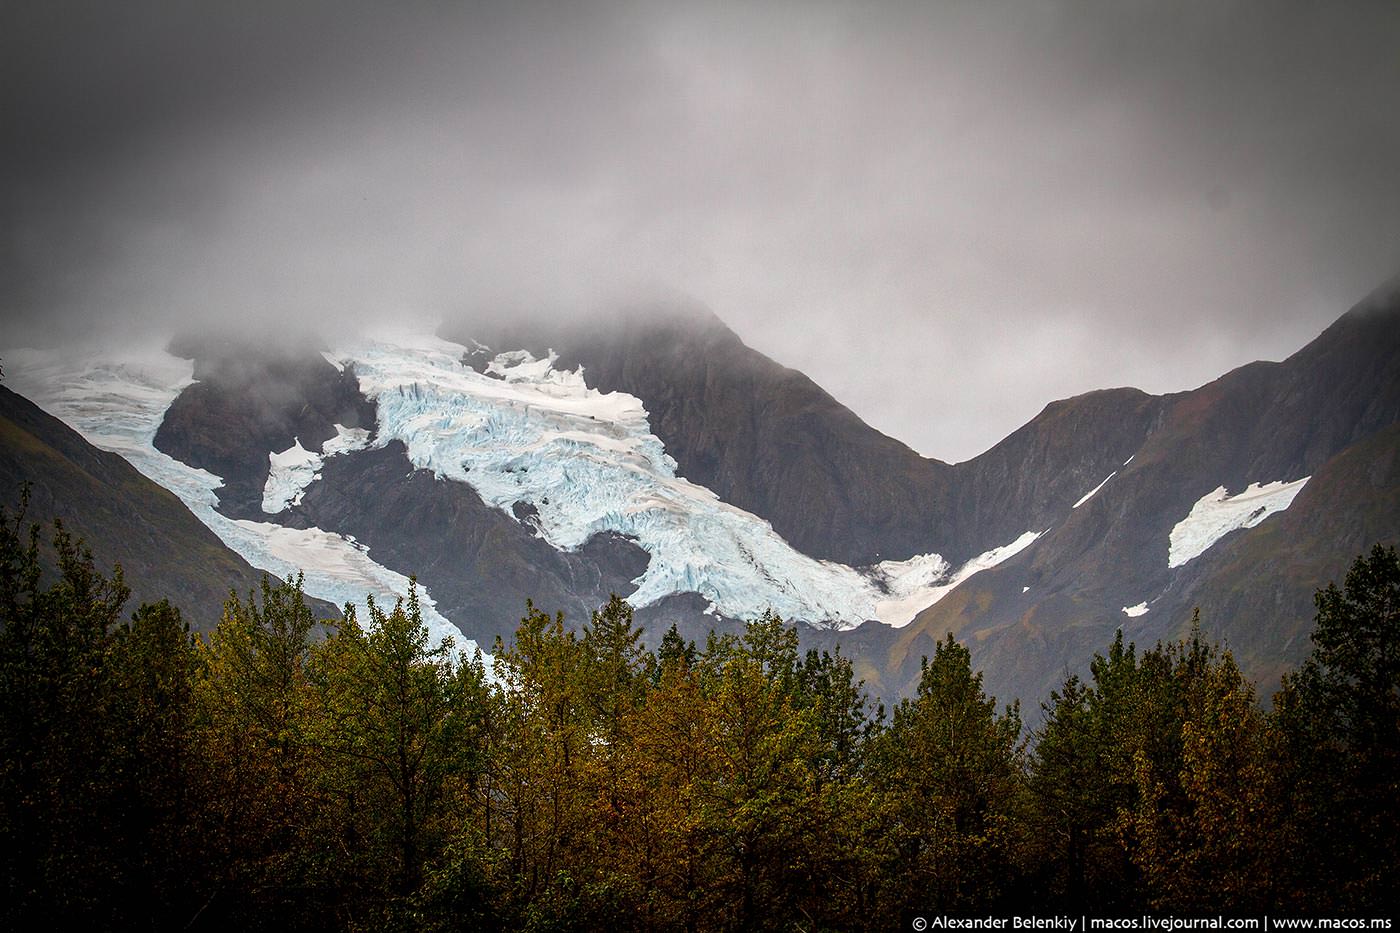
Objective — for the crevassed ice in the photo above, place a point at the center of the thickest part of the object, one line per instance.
(1216, 514)
(525, 431)
(588, 462)
(117, 405)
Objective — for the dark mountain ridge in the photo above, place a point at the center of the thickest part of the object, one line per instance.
(1329, 411)
(123, 517)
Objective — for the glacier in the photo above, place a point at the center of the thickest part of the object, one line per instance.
(1217, 513)
(523, 430)
(116, 402)
(519, 430)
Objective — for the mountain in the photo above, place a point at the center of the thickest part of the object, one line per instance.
(123, 517)
(1326, 415)
(656, 456)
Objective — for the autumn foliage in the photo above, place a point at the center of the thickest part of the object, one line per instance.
(287, 772)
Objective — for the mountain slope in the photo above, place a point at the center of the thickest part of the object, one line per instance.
(249, 399)
(123, 517)
(769, 440)
(479, 563)
(1327, 412)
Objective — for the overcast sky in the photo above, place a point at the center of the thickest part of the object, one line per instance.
(947, 214)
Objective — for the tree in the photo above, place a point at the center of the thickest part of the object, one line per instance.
(673, 651)
(950, 770)
(401, 725)
(1074, 808)
(1209, 836)
(617, 662)
(150, 666)
(1340, 719)
(541, 802)
(253, 707)
(55, 728)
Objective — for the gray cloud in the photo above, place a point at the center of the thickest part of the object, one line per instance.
(948, 214)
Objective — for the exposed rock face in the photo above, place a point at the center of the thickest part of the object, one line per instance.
(122, 516)
(771, 441)
(250, 401)
(479, 563)
(1032, 479)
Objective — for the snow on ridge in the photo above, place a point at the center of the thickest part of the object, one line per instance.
(118, 405)
(895, 611)
(1090, 494)
(1217, 513)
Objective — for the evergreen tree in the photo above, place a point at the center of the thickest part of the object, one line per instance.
(542, 818)
(950, 770)
(1340, 719)
(56, 729)
(151, 758)
(1209, 836)
(1075, 811)
(253, 709)
(401, 725)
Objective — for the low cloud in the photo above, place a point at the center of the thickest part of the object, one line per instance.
(946, 214)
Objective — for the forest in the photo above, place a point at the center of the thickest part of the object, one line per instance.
(290, 772)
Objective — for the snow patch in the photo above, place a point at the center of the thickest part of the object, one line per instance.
(1090, 494)
(928, 590)
(345, 440)
(1133, 612)
(118, 405)
(1216, 514)
(288, 475)
(292, 470)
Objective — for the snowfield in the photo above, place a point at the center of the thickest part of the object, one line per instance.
(523, 431)
(1216, 514)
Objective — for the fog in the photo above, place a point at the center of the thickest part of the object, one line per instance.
(947, 214)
